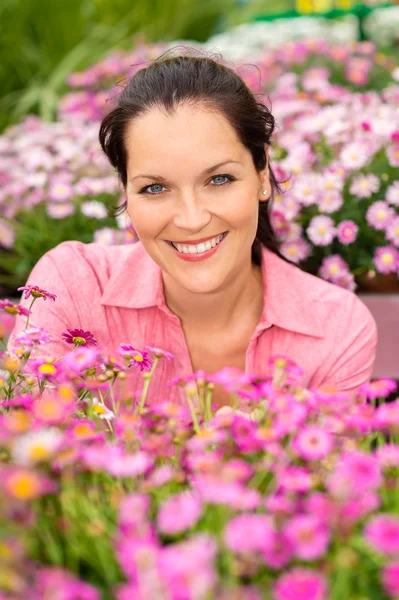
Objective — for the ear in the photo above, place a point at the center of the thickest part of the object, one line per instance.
(264, 175)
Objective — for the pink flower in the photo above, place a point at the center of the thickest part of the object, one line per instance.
(379, 388)
(279, 553)
(386, 259)
(313, 443)
(7, 234)
(54, 582)
(387, 416)
(332, 267)
(379, 215)
(295, 250)
(79, 337)
(300, 584)
(179, 512)
(382, 533)
(36, 292)
(330, 201)
(188, 567)
(34, 336)
(81, 359)
(392, 194)
(249, 533)
(93, 209)
(14, 309)
(60, 191)
(308, 535)
(294, 479)
(354, 156)
(321, 230)
(347, 232)
(159, 353)
(388, 456)
(392, 231)
(393, 155)
(61, 210)
(232, 494)
(364, 186)
(135, 357)
(355, 474)
(390, 578)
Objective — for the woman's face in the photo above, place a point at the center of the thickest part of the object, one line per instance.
(190, 182)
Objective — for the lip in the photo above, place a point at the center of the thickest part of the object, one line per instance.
(195, 242)
(198, 257)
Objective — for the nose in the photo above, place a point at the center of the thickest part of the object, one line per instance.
(190, 214)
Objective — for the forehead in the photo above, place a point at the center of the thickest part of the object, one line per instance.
(188, 134)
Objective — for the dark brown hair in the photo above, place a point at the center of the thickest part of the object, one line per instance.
(186, 78)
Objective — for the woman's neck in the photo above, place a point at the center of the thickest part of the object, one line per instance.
(243, 293)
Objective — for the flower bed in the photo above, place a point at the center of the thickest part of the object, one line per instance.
(336, 151)
(288, 494)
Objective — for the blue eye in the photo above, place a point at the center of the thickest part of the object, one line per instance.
(155, 188)
(222, 179)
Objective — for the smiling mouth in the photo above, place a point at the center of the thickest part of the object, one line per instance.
(199, 248)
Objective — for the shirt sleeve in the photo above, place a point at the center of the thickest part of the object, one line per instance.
(53, 316)
(352, 359)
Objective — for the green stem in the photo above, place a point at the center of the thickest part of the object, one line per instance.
(208, 401)
(147, 380)
(27, 320)
(192, 411)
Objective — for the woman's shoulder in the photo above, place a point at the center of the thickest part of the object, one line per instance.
(75, 259)
(330, 305)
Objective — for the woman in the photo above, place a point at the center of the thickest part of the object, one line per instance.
(206, 280)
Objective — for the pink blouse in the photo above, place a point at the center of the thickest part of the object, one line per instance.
(116, 293)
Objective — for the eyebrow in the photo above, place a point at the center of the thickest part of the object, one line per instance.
(209, 170)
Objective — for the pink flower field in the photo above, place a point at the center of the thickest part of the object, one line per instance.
(287, 494)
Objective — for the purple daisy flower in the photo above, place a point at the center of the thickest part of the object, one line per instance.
(159, 353)
(79, 337)
(36, 292)
(135, 357)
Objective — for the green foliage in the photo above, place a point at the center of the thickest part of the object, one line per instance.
(46, 40)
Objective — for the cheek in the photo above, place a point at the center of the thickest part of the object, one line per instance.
(146, 219)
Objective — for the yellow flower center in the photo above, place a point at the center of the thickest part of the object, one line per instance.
(24, 486)
(387, 258)
(322, 229)
(333, 269)
(79, 341)
(82, 429)
(39, 452)
(138, 357)
(99, 409)
(47, 369)
(12, 310)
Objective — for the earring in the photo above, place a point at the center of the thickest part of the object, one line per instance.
(264, 192)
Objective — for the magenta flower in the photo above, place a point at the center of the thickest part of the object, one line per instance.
(250, 533)
(300, 584)
(380, 388)
(79, 337)
(347, 232)
(36, 292)
(83, 358)
(308, 535)
(179, 512)
(382, 533)
(14, 309)
(279, 553)
(313, 443)
(386, 259)
(355, 474)
(55, 582)
(388, 456)
(387, 416)
(390, 578)
(135, 357)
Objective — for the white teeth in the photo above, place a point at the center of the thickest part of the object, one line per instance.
(199, 248)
